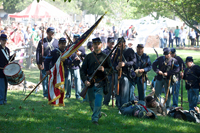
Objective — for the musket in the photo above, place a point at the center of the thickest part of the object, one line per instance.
(41, 52)
(84, 91)
(70, 42)
(120, 70)
(182, 87)
(113, 95)
(169, 83)
(113, 83)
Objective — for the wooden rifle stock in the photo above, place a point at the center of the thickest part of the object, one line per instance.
(182, 87)
(120, 70)
(113, 95)
(84, 91)
(166, 97)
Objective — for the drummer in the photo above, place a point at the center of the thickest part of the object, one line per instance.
(5, 58)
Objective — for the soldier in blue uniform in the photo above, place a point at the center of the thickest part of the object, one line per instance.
(89, 46)
(49, 44)
(165, 66)
(142, 66)
(137, 109)
(96, 87)
(191, 76)
(176, 84)
(4, 60)
(73, 70)
(54, 55)
(128, 60)
(110, 45)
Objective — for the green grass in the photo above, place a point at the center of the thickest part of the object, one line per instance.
(35, 115)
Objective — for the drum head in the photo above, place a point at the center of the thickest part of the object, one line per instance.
(11, 69)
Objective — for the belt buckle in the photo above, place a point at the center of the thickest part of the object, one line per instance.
(96, 84)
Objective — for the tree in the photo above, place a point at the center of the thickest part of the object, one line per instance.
(12, 6)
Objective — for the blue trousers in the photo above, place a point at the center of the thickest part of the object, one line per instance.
(165, 45)
(77, 82)
(124, 95)
(175, 92)
(3, 90)
(45, 83)
(162, 42)
(171, 42)
(132, 89)
(193, 94)
(140, 86)
(183, 42)
(95, 96)
(158, 90)
(177, 41)
(108, 96)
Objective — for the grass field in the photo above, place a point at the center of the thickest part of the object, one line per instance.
(34, 115)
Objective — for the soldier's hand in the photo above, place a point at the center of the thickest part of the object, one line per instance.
(117, 68)
(40, 67)
(196, 109)
(48, 72)
(62, 59)
(121, 64)
(87, 83)
(149, 114)
(160, 73)
(165, 74)
(182, 74)
(77, 58)
(101, 68)
(141, 70)
(78, 53)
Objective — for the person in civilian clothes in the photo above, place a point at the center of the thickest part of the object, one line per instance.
(165, 66)
(176, 85)
(110, 45)
(96, 87)
(4, 60)
(128, 60)
(49, 44)
(191, 76)
(74, 66)
(171, 38)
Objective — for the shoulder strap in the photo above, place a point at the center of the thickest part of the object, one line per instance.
(96, 58)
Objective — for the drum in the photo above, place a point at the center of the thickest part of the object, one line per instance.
(13, 73)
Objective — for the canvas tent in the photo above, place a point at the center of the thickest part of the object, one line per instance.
(40, 10)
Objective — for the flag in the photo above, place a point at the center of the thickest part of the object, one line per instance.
(56, 90)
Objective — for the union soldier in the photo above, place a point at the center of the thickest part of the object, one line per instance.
(4, 60)
(52, 59)
(95, 90)
(135, 109)
(165, 66)
(191, 116)
(73, 70)
(110, 45)
(142, 66)
(49, 44)
(191, 76)
(176, 84)
(128, 60)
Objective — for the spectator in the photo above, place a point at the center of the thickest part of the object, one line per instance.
(183, 34)
(165, 34)
(177, 36)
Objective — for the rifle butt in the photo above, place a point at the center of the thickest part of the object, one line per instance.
(83, 92)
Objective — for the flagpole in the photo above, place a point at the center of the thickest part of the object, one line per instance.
(35, 87)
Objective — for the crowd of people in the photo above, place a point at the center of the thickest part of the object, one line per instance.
(179, 36)
(125, 68)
